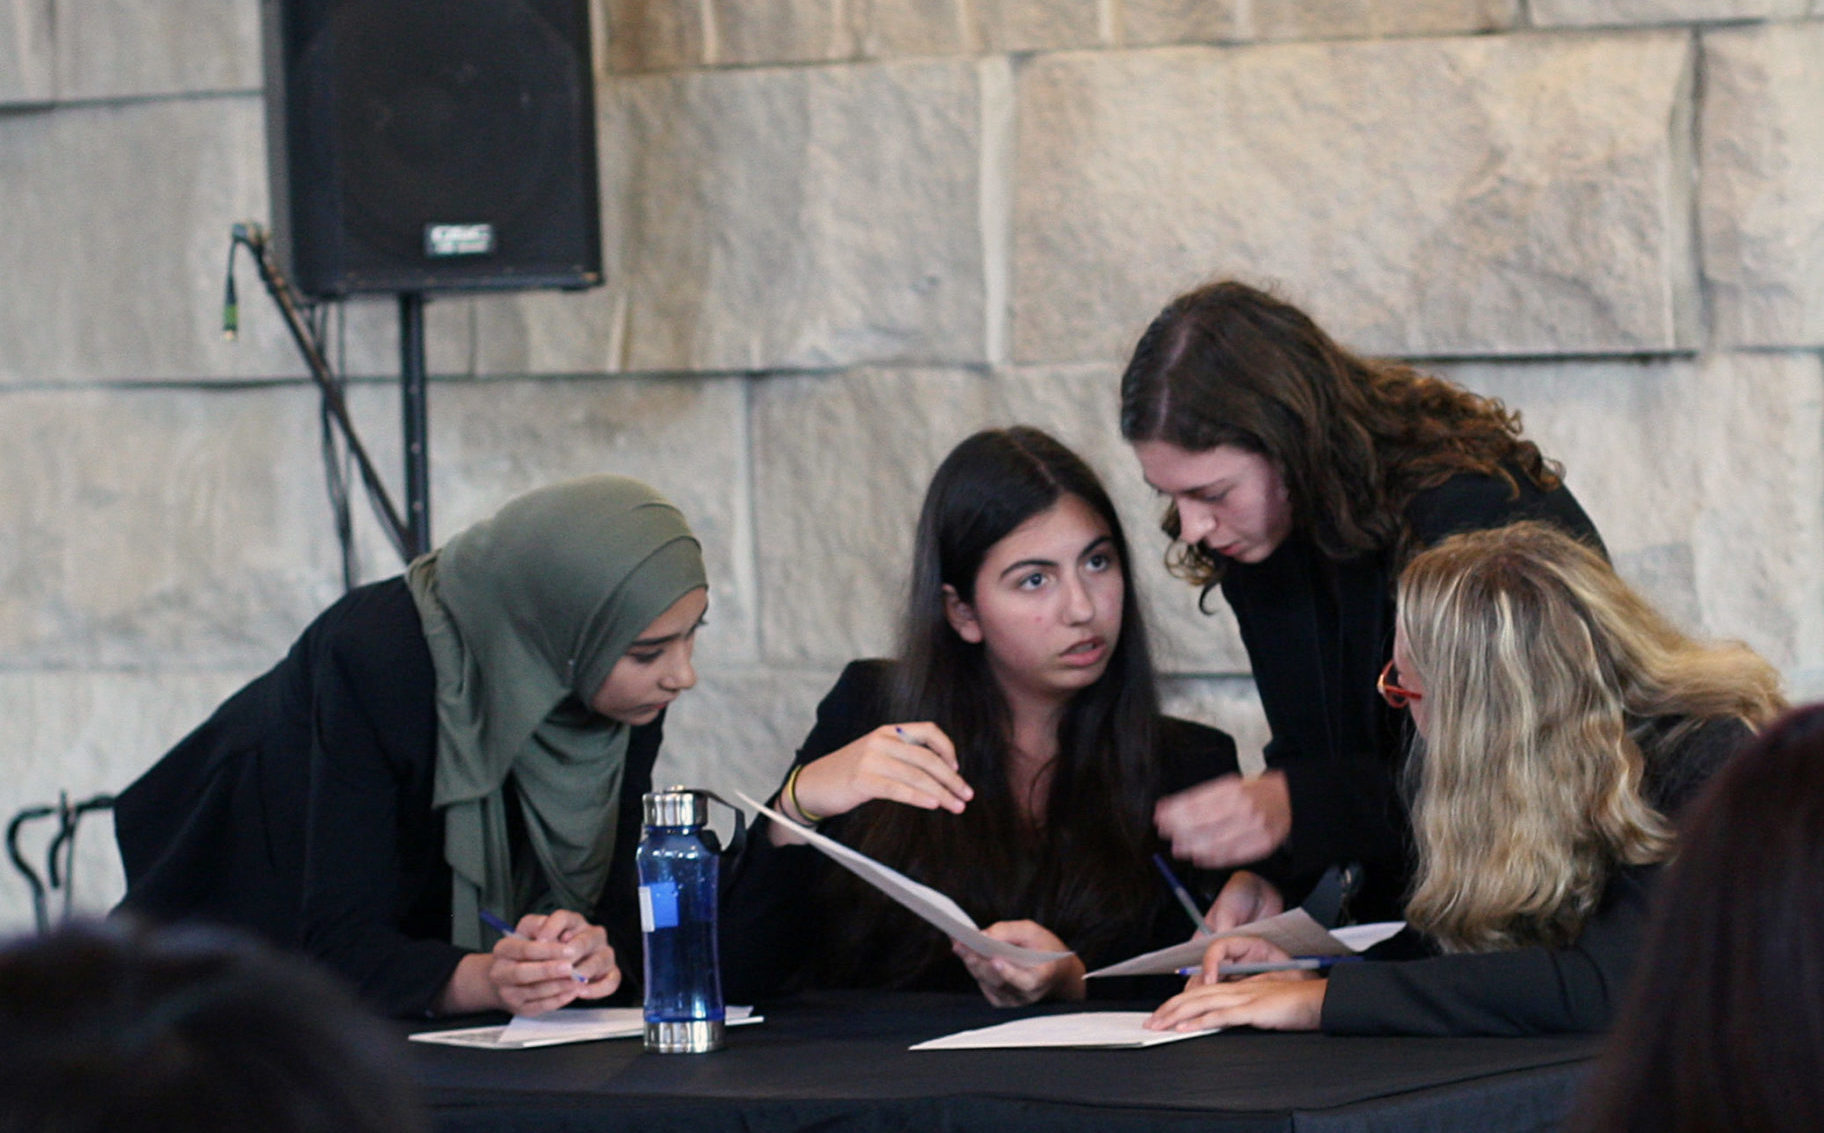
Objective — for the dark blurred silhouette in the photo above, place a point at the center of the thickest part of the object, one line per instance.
(116, 1026)
(1724, 1026)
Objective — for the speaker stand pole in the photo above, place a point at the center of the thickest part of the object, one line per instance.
(412, 404)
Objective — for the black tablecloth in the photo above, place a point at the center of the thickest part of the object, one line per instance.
(839, 1062)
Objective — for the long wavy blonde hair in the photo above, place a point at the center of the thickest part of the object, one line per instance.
(1544, 676)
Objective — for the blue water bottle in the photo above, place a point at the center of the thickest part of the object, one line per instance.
(677, 865)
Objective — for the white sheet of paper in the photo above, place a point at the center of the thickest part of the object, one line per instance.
(1293, 931)
(1361, 937)
(1079, 1029)
(576, 1025)
(926, 903)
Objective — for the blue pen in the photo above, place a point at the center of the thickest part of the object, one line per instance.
(1296, 964)
(1183, 895)
(499, 924)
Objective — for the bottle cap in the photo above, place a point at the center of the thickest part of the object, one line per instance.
(676, 806)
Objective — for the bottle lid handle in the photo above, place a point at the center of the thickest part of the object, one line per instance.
(738, 840)
(689, 806)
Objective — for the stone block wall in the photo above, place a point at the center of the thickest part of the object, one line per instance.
(841, 234)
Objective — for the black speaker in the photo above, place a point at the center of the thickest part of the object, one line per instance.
(428, 145)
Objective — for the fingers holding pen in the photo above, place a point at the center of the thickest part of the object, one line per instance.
(925, 760)
(529, 979)
(592, 963)
(550, 960)
(914, 764)
(925, 735)
(1236, 950)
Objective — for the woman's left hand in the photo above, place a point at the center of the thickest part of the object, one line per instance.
(1247, 897)
(1274, 1004)
(1007, 984)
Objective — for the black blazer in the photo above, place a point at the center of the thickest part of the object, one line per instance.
(1530, 991)
(1317, 632)
(302, 810)
(776, 907)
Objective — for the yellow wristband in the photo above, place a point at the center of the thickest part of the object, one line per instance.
(791, 795)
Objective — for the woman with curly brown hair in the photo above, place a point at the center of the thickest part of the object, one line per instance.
(1300, 478)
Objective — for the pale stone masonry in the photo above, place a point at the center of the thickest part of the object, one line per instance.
(1763, 169)
(840, 234)
(1462, 209)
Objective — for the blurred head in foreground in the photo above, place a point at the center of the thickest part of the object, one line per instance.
(1724, 1027)
(116, 1026)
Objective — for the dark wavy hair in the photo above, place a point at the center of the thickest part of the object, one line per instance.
(1354, 438)
(1723, 1027)
(1085, 873)
(117, 1025)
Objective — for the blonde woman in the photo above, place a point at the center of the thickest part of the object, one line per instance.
(1562, 724)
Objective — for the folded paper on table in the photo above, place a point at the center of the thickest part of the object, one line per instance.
(573, 1025)
(1078, 1029)
(1295, 932)
(930, 906)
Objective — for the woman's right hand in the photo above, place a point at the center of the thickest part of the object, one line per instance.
(1248, 897)
(914, 764)
(1240, 950)
(1228, 821)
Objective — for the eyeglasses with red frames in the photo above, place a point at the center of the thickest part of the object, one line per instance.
(1394, 694)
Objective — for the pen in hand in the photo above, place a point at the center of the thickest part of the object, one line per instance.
(1296, 964)
(499, 924)
(1183, 895)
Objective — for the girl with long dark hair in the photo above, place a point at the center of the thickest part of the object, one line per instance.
(1009, 757)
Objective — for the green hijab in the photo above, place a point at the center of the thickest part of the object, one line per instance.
(525, 615)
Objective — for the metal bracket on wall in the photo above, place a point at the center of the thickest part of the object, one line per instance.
(410, 535)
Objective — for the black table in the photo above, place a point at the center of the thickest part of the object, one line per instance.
(838, 1061)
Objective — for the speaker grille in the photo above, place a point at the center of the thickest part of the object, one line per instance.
(407, 115)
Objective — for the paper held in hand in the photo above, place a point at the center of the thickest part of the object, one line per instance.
(1294, 932)
(930, 906)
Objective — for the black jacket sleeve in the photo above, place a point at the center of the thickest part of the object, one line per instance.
(1317, 632)
(302, 810)
(370, 835)
(1528, 991)
(1533, 990)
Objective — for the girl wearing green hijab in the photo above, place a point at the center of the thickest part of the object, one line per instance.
(474, 736)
